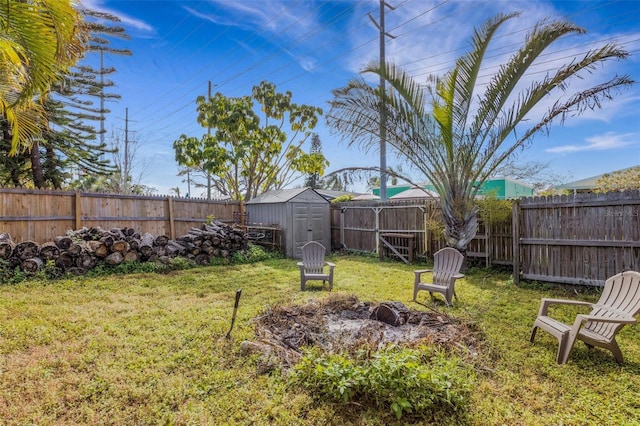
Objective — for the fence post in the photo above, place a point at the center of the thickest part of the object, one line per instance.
(78, 211)
(342, 243)
(172, 224)
(377, 211)
(515, 224)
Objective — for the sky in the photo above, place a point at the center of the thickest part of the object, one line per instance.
(313, 47)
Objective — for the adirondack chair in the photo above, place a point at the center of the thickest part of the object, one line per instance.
(313, 265)
(618, 304)
(446, 270)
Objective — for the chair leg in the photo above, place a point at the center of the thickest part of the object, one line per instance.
(617, 353)
(533, 333)
(565, 344)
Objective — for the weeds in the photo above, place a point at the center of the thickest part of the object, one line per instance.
(421, 383)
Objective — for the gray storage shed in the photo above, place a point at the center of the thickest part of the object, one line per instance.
(303, 214)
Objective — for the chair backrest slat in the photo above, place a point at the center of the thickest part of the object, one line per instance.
(622, 294)
(313, 257)
(446, 262)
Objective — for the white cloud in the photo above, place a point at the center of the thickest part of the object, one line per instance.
(280, 18)
(126, 20)
(606, 142)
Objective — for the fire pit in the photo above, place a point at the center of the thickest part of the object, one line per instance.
(342, 323)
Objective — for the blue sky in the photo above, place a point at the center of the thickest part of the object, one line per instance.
(312, 47)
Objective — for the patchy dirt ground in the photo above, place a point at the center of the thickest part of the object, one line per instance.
(343, 323)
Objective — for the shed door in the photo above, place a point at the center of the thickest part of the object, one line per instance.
(309, 223)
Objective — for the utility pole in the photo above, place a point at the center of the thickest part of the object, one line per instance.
(209, 134)
(102, 96)
(383, 107)
(188, 183)
(126, 151)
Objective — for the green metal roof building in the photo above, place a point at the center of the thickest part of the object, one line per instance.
(503, 188)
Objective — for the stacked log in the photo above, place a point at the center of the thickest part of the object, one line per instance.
(80, 250)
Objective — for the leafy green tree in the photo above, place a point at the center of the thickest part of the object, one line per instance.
(249, 152)
(619, 181)
(458, 136)
(40, 40)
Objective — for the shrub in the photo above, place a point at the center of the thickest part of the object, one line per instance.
(253, 253)
(421, 382)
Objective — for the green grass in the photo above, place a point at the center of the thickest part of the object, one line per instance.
(149, 349)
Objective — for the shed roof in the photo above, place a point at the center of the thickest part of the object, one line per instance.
(414, 193)
(285, 195)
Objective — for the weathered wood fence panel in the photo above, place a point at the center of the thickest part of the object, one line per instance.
(39, 216)
(577, 239)
(358, 225)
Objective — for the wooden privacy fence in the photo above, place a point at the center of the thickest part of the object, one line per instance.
(40, 216)
(577, 239)
(359, 226)
(571, 239)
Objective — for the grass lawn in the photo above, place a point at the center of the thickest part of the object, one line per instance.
(144, 349)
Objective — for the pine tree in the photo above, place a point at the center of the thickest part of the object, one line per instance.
(71, 140)
(313, 180)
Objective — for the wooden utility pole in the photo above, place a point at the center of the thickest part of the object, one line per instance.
(209, 134)
(126, 151)
(102, 96)
(383, 107)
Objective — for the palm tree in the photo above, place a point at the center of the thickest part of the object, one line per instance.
(40, 40)
(459, 138)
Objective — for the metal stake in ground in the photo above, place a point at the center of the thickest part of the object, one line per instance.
(235, 309)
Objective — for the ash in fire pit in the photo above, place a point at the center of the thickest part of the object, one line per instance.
(342, 323)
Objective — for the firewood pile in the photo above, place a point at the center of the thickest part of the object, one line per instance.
(80, 250)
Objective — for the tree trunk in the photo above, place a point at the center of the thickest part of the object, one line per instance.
(27, 250)
(65, 261)
(36, 166)
(120, 246)
(33, 264)
(63, 242)
(6, 246)
(98, 248)
(132, 256)
(114, 259)
(86, 260)
(49, 251)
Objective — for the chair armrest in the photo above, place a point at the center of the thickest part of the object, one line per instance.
(627, 319)
(330, 265)
(419, 272)
(580, 318)
(300, 265)
(456, 276)
(545, 303)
